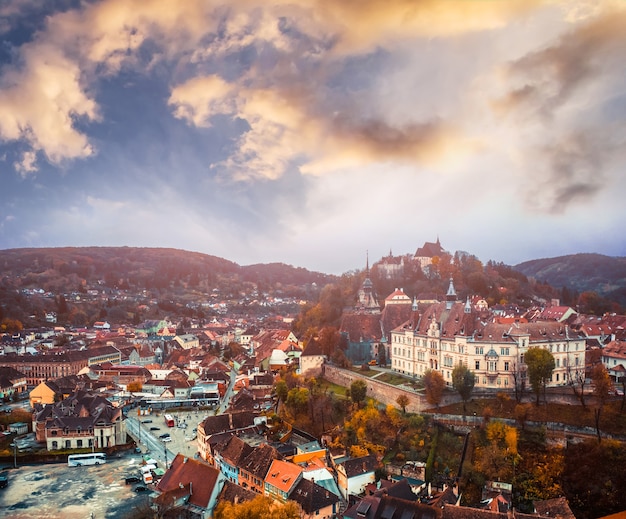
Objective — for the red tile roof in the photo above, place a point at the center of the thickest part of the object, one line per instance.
(185, 471)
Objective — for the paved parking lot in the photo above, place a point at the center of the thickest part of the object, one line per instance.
(153, 426)
(56, 490)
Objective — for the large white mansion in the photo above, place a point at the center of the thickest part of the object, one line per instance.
(451, 333)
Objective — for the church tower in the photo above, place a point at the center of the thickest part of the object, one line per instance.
(367, 296)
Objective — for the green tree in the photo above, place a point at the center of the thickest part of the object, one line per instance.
(298, 400)
(358, 391)
(382, 355)
(540, 364)
(402, 401)
(281, 390)
(463, 381)
(433, 386)
(602, 389)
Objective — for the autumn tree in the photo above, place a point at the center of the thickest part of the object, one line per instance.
(9, 325)
(602, 389)
(433, 386)
(329, 339)
(358, 391)
(402, 401)
(522, 412)
(540, 364)
(463, 381)
(577, 380)
(497, 454)
(261, 507)
(134, 387)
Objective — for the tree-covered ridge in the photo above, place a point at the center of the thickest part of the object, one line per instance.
(580, 273)
(135, 283)
(137, 267)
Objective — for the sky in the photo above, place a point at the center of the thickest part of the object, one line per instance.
(314, 133)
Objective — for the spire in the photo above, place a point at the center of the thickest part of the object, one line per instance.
(367, 263)
(451, 295)
(451, 291)
(468, 306)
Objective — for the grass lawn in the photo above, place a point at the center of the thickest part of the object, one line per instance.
(366, 372)
(393, 379)
(329, 386)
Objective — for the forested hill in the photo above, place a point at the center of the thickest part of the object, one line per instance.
(139, 268)
(605, 275)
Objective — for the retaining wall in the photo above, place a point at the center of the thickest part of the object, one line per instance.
(385, 393)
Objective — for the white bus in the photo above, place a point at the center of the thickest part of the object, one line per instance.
(93, 458)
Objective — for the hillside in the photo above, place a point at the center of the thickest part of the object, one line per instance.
(580, 273)
(174, 278)
(139, 267)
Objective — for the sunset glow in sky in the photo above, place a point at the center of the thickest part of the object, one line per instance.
(308, 132)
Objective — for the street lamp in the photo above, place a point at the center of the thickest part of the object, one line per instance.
(14, 445)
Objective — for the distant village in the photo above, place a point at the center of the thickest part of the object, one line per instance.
(83, 383)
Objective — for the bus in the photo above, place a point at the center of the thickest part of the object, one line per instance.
(169, 420)
(93, 458)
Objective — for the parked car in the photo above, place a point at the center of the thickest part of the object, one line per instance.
(141, 488)
(166, 439)
(154, 428)
(146, 421)
(132, 479)
(164, 435)
(4, 480)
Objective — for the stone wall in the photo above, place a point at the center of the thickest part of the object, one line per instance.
(381, 391)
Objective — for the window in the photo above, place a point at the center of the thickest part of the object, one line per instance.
(492, 365)
(506, 366)
(79, 443)
(504, 351)
(55, 445)
(477, 366)
(68, 444)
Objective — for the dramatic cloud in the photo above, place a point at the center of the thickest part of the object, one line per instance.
(263, 128)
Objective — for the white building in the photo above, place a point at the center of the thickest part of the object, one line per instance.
(451, 333)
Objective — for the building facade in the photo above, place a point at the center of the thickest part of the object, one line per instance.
(452, 333)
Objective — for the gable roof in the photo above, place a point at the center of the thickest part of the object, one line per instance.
(283, 475)
(233, 493)
(357, 466)
(199, 480)
(258, 461)
(312, 497)
(233, 450)
(313, 348)
(361, 326)
(227, 422)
